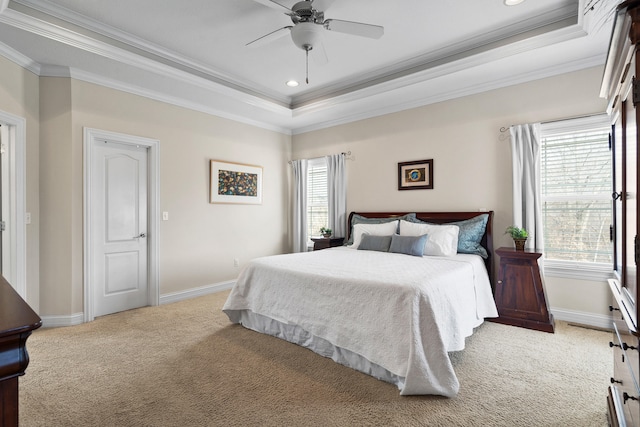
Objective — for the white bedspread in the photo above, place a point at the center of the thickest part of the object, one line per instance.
(400, 312)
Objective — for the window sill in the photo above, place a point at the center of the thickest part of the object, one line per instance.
(597, 272)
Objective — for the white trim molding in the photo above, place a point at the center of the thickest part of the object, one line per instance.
(196, 292)
(17, 189)
(596, 272)
(583, 318)
(61, 321)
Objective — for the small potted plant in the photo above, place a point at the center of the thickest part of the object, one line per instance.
(519, 236)
(326, 232)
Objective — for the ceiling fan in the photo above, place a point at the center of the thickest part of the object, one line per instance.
(308, 24)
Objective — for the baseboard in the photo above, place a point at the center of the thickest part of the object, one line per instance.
(59, 321)
(599, 321)
(78, 318)
(195, 292)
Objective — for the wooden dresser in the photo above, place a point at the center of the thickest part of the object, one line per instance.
(17, 320)
(621, 88)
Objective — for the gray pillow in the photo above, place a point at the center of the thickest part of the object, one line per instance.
(409, 245)
(375, 243)
(359, 219)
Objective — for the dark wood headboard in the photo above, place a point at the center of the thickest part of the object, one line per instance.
(443, 218)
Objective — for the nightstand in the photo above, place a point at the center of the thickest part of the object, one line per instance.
(519, 292)
(326, 242)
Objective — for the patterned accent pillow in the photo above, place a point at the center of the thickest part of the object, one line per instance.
(471, 232)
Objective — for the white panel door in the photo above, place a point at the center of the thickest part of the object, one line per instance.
(119, 227)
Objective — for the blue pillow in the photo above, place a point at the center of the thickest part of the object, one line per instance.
(409, 245)
(359, 219)
(375, 243)
(470, 235)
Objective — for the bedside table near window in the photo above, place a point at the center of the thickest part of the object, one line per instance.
(326, 242)
(519, 292)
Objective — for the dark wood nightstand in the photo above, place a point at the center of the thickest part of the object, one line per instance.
(519, 292)
(326, 242)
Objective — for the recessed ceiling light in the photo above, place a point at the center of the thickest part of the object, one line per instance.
(512, 2)
(292, 83)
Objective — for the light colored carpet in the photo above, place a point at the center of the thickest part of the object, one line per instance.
(184, 364)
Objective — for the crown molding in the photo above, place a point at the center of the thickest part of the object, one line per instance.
(410, 78)
(99, 47)
(471, 89)
(142, 45)
(554, 26)
(159, 96)
(20, 59)
(446, 66)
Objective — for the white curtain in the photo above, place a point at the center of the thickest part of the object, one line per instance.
(337, 194)
(299, 205)
(527, 205)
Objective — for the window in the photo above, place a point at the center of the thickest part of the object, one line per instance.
(317, 198)
(576, 186)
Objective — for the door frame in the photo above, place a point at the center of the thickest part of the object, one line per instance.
(153, 232)
(17, 201)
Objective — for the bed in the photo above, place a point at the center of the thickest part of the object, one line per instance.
(391, 304)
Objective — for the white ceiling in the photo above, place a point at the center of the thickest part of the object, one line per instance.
(192, 53)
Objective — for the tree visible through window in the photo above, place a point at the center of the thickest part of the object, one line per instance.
(317, 198)
(576, 178)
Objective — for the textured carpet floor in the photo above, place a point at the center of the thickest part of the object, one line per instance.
(184, 364)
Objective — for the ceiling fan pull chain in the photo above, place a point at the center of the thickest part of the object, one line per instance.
(307, 50)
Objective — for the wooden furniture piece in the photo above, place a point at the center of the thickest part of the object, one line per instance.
(17, 320)
(326, 242)
(622, 90)
(519, 292)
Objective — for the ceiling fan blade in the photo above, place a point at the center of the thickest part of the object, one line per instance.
(268, 38)
(319, 54)
(322, 5)
(354, 28)
(274, 5)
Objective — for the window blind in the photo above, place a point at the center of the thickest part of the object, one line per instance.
(317, 198)
(576, 181)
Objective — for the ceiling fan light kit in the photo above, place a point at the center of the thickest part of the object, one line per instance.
(306, 35)
(308, 24)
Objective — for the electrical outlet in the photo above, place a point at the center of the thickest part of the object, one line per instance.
(236, 262)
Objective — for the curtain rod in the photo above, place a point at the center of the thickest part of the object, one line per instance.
(348, 153)
(504, 129)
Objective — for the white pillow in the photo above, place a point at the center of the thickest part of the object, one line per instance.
(442, 240)
(384, 229)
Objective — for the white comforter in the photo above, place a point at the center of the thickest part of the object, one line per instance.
(400, 312)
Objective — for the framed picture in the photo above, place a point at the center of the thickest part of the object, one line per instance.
(416, 175)
(235, 183)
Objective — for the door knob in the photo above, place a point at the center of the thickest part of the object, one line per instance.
(141, 235)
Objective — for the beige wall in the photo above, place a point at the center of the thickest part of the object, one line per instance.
(19, 95)
(200, 240)
(472, 166)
